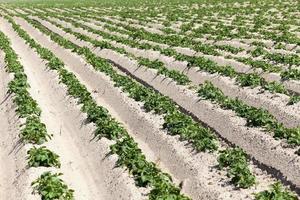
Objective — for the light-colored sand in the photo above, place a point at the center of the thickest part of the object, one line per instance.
(200, 181)
(14, 181)
(292, 85)
(85, 166)
(257, 143)
(84, 163)
(276, 104)
(157, 81)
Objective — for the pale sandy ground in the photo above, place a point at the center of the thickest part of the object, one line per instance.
(84, 163)
(122, 61)
(261, 145)
(276, 104)
(292, 85)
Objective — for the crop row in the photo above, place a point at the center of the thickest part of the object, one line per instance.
(235, 160)
(176, 123)
(277, 57)
(224, 30)
(244, 80)
(257, 117)
(233, 168)
(124, 16)
(129, 155)
(210, 49)
(48, 185)
(290, 59)
(227, 158)
(172, 40)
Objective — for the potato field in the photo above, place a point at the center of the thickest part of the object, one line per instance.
(150, 99)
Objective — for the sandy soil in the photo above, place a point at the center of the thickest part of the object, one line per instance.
(122, 62)
(266, 142)
(276, 104)
(233, 128)
(85, 166)
(14, 181)
(238, 66)
(200, 181)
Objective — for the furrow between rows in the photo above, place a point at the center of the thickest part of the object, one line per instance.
(277, 105)
(291, 85)
(81, 157)
(258, 144)
(14, 180)
(155, 185)
(198, 180)
(78, 42)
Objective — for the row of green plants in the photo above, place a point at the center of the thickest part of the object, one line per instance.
(33, 130)
(258, 64)
(228, 48)
(271, 87)
(218, 32)
(244, 80)
(198, 46)
(291, 134)
(129, 155)
(213, 48)
(176, 123)
(178, 77)
(185, 27)
(263, 195)
(257, 117)
(221, 30)
(172, 40)
(277, 57)
(276, 192)
(292, 73)
(152, 100)
(225, 32)
(235, 161)
(213, 26)
(288, 59)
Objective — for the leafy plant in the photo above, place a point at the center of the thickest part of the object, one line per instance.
(52, 187)
(252, 80)
(294, 99)
(259, 64)
(293, 74)
(42, 157)
(146, 173)
(275, 87)
(180, 78)
(34, 131)
(229, 48)
(236, 160)
(259, 51)
(254, 116)
(277, 192)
